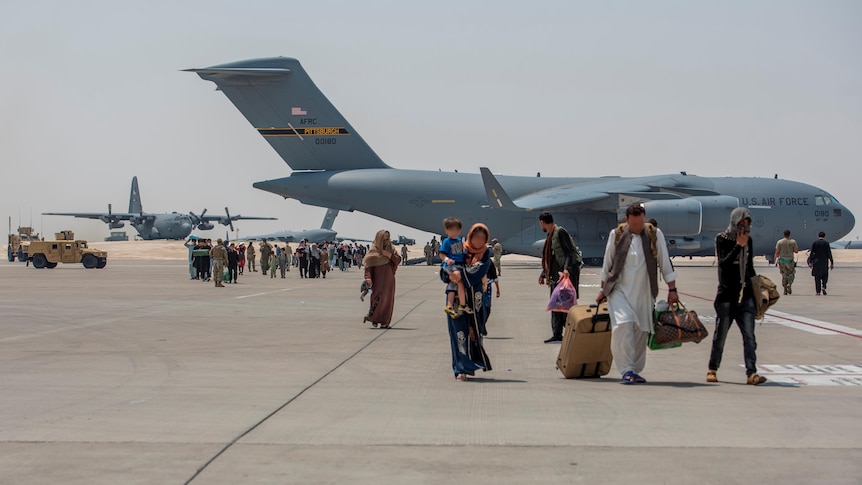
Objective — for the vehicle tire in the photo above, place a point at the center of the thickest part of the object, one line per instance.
(21, 256)
(39, 261)
(50, 265)
(10, 254)
(102, 263)
(89, 261)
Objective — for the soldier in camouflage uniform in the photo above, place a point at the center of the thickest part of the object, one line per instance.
(265, 253)
(785, 259)
(250, 256)
(219, 255)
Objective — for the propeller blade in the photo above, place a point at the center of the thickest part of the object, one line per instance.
(229, 220)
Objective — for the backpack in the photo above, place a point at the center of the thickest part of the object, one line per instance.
(765, 294)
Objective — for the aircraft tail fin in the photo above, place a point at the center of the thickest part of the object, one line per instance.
(135, 198)
(292, 114)
(329, 219)
(497, 196)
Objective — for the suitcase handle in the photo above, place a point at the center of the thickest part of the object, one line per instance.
(599, 317)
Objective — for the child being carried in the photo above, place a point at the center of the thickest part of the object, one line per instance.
(454, 257)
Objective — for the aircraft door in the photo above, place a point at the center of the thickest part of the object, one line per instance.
(604, 224)
(529, 226)
(571, 225)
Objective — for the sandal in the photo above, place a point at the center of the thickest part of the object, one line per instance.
(628, 378)
(461, 377)
(711, 376)
(639, 379)
(756, 380)
(374, 324)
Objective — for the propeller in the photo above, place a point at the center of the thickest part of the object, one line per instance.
(112, 223)
(198, 219)
(229, 220)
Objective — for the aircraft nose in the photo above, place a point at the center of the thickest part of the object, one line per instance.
(849, 221)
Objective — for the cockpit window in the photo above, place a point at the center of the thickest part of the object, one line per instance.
(824, 200)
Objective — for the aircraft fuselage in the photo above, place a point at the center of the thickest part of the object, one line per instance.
(421, 199)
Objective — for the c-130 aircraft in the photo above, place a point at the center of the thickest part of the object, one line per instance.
(333, 167)
(174, 225)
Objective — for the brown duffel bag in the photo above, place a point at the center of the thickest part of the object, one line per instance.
(679, 325)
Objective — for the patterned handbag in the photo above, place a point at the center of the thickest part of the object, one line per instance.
(679, 325)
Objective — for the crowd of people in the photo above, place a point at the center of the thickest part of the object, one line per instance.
(636, 255)
(310, 260)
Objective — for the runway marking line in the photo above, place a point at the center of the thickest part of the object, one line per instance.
(264, 293)
(776, 317)
(813, 375)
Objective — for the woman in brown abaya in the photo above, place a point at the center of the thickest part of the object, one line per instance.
(381, 262)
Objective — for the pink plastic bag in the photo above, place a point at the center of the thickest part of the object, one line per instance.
(563, 297)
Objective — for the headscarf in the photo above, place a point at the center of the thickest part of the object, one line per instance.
(738, 215)
(475, 254)
(381, 250)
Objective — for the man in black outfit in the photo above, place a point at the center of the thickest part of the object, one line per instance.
(232, 262)
(820, 261)
(734, 300)
(559, 257)
(302, 259)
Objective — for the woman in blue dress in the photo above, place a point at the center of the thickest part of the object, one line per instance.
(466, 330)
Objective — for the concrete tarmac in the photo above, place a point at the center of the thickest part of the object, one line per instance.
(134, 374)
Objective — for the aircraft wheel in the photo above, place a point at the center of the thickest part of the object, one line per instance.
(102, 263)
(50, 265)
(39, 261)
(89, 261)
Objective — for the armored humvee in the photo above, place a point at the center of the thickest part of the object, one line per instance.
(404, 240)
(18, 243)
(65, 249)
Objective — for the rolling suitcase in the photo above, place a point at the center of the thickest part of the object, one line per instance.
(586, 347)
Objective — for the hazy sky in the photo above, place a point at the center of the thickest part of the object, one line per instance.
(92, 94)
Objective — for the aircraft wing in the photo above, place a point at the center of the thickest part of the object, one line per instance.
(102, 216)
(227, 220)
(570, 195)
(559, 197)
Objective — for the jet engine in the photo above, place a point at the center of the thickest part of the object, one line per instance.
(692, 215)
(116, 224)
(205, 226)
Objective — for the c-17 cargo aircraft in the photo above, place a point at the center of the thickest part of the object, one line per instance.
(333, 167)
(174, 225)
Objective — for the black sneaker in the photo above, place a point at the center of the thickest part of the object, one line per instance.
(554, 339)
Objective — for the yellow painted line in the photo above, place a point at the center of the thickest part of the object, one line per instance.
(443, 201)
